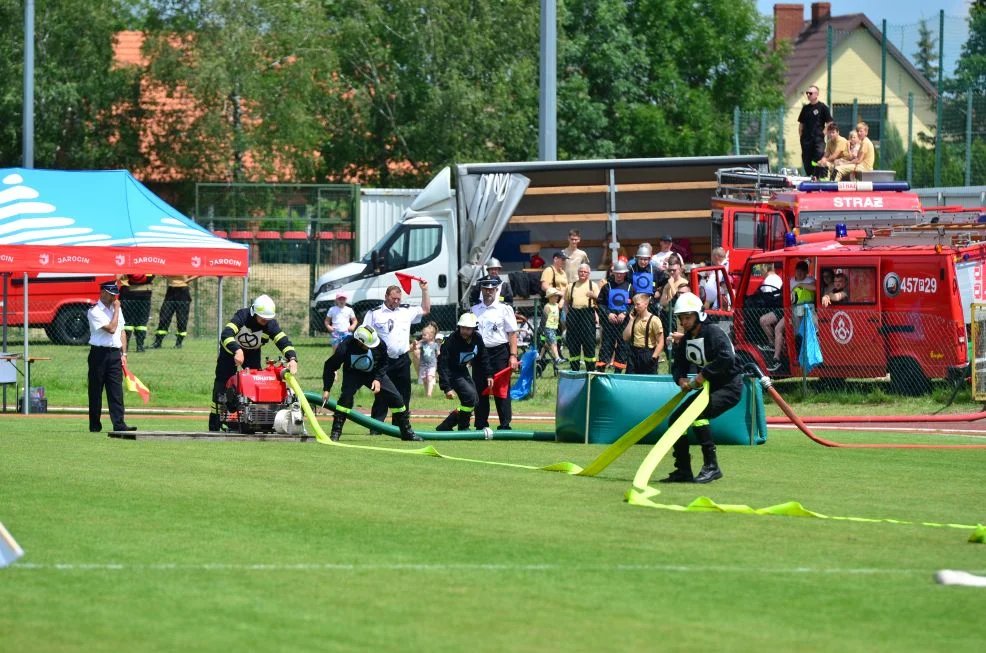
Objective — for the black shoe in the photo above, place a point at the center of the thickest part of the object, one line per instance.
(708, 474)
(375, 432)
(156, 344)
(96, 430)
(504, 428)
(124, 428)
(411, 437)
(140, 349)
(335, 435)
(774, 366)
(178, 345)
(679, 476)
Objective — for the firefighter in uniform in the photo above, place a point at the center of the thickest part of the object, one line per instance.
(135, 297)
(240, 343)
(460, 350)
(177, 301)
(364, 365)
(707, 349)
(614, 305)
(580, 330)
(498, 329)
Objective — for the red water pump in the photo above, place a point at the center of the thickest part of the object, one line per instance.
(253, 399)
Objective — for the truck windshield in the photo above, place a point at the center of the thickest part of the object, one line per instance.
(380, 245)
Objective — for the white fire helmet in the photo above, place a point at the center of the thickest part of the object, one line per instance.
(468, 320)
(689, 303)
(263, 306)
(367, 335)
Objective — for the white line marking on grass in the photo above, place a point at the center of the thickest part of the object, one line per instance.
(453, 567)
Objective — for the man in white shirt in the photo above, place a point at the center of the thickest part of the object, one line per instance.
(340, 321)
(107, 353)
(392, 322)
(660, 259)
(498, 328)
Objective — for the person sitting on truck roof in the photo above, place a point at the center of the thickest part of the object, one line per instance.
(839, 294)
(836, 148)
(864, 160)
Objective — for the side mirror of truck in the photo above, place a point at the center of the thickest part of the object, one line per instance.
(375, 261)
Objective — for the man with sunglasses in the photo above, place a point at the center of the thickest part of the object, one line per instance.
(812, 122)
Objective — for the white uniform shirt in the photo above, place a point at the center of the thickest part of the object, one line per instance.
(711, 291)
(496, 322)
(99, 316)
(340, 318)
(659, 260)
(394, 327)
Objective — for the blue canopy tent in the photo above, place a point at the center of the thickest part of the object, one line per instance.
(100, 222)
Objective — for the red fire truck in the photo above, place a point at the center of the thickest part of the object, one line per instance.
(56, 302)
(904, 314)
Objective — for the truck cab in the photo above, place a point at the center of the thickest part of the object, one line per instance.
(57, 302)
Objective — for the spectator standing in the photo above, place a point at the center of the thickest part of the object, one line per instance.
(812, 121)
(614, 311)
(555, 276)
(660, 258)
(340, 320)
(135, 297)
(574, 257)
(493, 269)
(497, 326)
(177, 302)
(392, 322)
(580, 326)
(107, 354)
(645, 336)
(240, 341)
(552, 321)
(462, 350)
(364, 365)
(705, 348)
(426, 356)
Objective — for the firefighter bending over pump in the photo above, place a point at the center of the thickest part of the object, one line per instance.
(240, 343)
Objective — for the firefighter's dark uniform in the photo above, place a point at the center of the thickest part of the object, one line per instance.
(361, 366)
(453, 374)
(244, 332)
(177, 301)
(135, 302)
(711, 353)
(614, 299)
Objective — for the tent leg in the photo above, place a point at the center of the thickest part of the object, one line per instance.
(27, 364)
(219, 312)
(246, 292)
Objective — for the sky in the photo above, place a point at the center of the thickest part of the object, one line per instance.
(903, 18)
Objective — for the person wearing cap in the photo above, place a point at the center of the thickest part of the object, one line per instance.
(393, 322)
(239, 345)
(135, 297)
(497, 326)
(581, 321)
(463, 349)
(552, 320)
(614, 306)
(177, 302)
(493, 269)
(704, 348)
(107, 354)
(574, 257)
(555, 276)
(364, 365)
(660, 258)
(340, 320)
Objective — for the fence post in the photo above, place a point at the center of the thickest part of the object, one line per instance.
(763, 131)
(968, 138)
(828, 78)
(883, 86)
(781, 160)
(736, 128)
(910, 137)
(938, 117)
(855, 113)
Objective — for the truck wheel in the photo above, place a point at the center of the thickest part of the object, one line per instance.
(70, 326)
(906, 378)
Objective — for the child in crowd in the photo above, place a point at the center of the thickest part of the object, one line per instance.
(645, 335)
(340, 321)
(426, 356)
(552, 320)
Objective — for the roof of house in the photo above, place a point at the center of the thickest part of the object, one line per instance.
(811, 47)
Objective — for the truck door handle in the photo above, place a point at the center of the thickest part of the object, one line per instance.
(442, 281)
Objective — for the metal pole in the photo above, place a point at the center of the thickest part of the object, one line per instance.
(828, 79)
(6, 276)
(246, 291)
(736, 128)
(883, 84)
(27, 365)
(968, 138)
(763, 131)
(28, 100)
(547, 137)
(855, 112)
(781, 159)
(219, 312)
(910, 137)
(941, 73)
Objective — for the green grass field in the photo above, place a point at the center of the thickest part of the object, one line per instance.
(206, 546)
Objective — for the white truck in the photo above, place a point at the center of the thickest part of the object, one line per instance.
(512, 209)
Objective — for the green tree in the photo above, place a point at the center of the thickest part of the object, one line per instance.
(86, 113)
(970, 71)
(926, 57)
(253, 71)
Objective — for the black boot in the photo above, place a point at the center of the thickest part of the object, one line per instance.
(337, 423)
(214, 423)
(158, 339)
(682, 463)
(140, 340)
(710, 468)
(178, 341)
(403, 420)
(462, 419)
(449, 422)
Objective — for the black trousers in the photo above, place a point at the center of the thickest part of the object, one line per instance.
(721, 399)
(812, 151)
(226, 368)
(136, 307)
(351, 383)
(641, 361)
(467, 393)
(105, 371)
(399, 373)
(177, 302)
(613, 345)
(580, 337)
(499, 359)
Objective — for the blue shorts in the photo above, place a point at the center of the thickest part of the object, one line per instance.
(338, 337)
(551, 336)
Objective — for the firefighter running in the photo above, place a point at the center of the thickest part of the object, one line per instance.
(706, 347)
(364, 365)
(240, 343)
